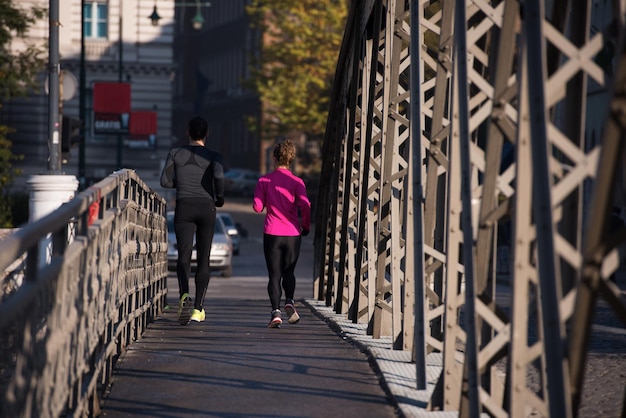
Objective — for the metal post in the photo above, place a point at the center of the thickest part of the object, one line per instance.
(82, 101)
(415, 176)
(549, 276)
(54, 146)
(470, 402)
(120, 69)
(49, 191)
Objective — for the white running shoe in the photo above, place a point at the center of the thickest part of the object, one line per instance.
(276, 320)
(292, 314)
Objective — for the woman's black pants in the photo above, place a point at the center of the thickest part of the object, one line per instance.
(281, 256)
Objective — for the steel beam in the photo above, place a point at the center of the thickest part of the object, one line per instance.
(420, 185)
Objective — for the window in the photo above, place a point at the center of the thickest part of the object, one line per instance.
(95, 15)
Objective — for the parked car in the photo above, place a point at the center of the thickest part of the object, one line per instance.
(240, 181)
(231, 230)
(221, 258)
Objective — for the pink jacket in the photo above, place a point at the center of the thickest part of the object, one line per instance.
(282, 193)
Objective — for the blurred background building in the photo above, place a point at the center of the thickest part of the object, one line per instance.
(179, 59)
(212, 65)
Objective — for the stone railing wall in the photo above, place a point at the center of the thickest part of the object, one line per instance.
(65, 325)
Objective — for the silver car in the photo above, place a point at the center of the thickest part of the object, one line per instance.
(231, 230)
(221, 258)
(240, 181)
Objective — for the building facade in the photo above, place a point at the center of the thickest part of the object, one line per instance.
(195, 61)
(213, 64)
(121, 43)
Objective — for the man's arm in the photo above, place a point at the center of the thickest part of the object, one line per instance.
(168, 175)
(218, 180)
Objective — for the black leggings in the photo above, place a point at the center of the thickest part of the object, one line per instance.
(281, 256)
(194, 217)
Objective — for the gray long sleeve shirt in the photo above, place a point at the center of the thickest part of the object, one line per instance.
(195, 171)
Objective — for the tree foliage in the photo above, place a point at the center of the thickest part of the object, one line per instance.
(18, 70)
(294, 71)
(18, 73)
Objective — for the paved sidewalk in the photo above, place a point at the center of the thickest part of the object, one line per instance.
(233, 366)
(395, 367)
(604, 381)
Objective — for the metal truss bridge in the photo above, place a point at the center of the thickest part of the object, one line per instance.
(473, 156)
(472, 176)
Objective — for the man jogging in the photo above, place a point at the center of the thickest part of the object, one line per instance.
(197, 174)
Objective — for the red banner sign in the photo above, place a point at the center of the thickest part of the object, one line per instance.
(142, 129)
(111, 107)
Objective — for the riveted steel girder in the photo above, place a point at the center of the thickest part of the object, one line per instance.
(467, 202)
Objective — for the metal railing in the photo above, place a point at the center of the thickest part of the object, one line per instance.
(65, 324)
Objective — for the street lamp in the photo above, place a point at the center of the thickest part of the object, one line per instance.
(197, 20)
(154, 17)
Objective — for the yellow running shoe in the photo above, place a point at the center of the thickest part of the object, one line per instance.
(185, 308)
(197, 315)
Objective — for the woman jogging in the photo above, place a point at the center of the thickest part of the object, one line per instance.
(282, 194)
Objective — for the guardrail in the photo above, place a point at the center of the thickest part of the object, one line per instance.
(64, 326)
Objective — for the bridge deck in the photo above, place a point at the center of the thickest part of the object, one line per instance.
(233, 366)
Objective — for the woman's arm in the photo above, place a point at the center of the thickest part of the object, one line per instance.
(302, 200)
(258, 204)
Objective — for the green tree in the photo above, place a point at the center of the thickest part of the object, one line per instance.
(18, 73)
(293, 73)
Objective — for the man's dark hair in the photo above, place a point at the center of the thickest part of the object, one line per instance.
(198, 128)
